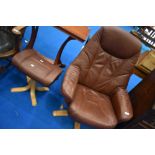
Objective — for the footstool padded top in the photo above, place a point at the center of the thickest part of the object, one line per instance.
(36, 66)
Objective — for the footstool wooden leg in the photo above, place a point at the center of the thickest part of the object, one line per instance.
(32, 87)
(42, 88)
(33, 93)
(20, 89)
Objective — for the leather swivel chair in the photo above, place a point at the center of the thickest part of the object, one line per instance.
(9, 44)
(95, 83)
(37, 68)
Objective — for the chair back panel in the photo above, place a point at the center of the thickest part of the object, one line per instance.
(104, 71)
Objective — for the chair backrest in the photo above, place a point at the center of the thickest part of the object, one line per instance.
(6, 28)
(7, 39)
(106, 62)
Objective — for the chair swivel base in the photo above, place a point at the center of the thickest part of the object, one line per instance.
(32, 87)
(62, 112)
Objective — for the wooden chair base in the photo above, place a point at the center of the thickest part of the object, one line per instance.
(62, 113)
(76, 125)
(32, 87)
(57, 113)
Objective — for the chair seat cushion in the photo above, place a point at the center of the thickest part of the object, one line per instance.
(92, 108)
(7, 41)
(36, 66)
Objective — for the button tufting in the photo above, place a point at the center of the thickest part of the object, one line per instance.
(127, 113)
(41, 61)
(32, 65)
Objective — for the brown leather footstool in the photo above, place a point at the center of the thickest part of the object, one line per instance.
(38, 68)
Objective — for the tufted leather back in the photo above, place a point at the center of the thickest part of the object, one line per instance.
(107, 60)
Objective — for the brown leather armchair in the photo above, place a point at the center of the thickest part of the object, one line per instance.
(95, 83)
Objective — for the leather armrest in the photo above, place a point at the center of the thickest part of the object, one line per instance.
(122, 105)
(17, 30)
(70, 81)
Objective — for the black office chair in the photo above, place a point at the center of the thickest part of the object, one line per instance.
(9, 45)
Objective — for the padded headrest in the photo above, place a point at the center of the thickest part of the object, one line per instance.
(118, 43)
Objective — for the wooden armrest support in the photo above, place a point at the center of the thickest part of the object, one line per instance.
(17, 29)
